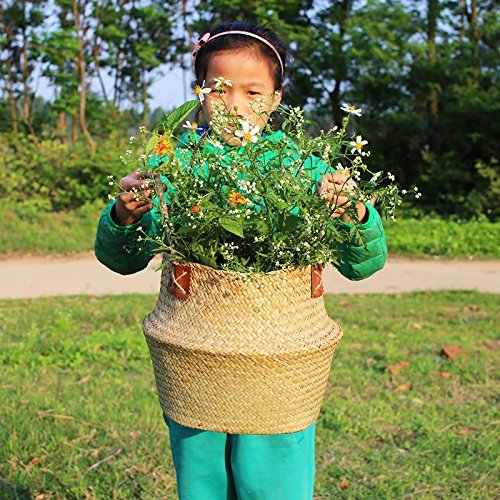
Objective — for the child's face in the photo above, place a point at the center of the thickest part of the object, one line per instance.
(251, 79)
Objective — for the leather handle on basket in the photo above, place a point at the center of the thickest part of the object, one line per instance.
(316, 281)
(180, 281)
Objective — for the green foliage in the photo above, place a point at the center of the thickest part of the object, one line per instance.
(62, 175)
(255, 206)
(77, 386)
(378, 54)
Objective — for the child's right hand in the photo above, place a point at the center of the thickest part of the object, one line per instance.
(128, 208)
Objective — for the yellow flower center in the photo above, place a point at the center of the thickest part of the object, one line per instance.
(248, 137)
(359, 145)
(352, 108)
(197, 90)
(194, 126)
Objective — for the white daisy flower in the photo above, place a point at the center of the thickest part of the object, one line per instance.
(357, 145)
(350, 109)
(191, 126)
(221, 81)
(201, 91)
(246, 134)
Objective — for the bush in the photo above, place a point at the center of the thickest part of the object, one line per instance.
(58, 175)
(428, 237)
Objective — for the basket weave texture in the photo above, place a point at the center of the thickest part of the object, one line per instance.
(242, 355)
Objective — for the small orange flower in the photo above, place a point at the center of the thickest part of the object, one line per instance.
(237, 199)
(163, 147)
(196, 209)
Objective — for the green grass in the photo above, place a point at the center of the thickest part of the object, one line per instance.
(29, 229)
(77, 386)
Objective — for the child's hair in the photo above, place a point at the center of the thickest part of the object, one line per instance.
(239, 42)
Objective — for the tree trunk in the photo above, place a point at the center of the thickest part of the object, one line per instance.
(12, 101)
(432, 15)
(95, 55)
(463, 16)
(62, 124)
(475, 29)
(26, 89)
(83, 78)
(74, 129)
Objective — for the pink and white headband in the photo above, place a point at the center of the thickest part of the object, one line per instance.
(198, 44)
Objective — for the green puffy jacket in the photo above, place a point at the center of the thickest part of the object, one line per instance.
(117, 248)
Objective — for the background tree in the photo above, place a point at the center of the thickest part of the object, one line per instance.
(20, 23)
(424, 72)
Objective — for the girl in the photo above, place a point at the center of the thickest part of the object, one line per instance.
(212, 465)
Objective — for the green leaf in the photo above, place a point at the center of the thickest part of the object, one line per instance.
(291, 223)
(152, 143)
(180, 114)
(262, 226)
(232, 225)
(208, 261)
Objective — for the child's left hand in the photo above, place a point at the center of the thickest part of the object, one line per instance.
(335, 189)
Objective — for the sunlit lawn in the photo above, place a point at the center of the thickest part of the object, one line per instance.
(79, 415)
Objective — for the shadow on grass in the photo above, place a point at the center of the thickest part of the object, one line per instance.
(15, 490)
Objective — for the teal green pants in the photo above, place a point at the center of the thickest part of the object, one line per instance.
(219, 466)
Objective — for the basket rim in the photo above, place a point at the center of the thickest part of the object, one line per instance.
(240, 274)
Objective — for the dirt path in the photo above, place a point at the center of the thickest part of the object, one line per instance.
(42, 276)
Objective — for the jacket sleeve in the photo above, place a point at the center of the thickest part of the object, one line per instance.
(118, 248)
(360, 261)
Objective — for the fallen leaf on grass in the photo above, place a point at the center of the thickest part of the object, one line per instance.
(466, 430)
(417, 326)
(344, 303)
(41, 496)
(397, 367)
(405, 387)
(471, 308)
(445, 374)
(451, 351)
(84, 380)
(493, 344)
(37, 460)
(344, 484)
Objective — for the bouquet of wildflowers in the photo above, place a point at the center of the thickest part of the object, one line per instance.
(244, 198)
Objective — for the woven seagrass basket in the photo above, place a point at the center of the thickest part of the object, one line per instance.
(241, 355)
